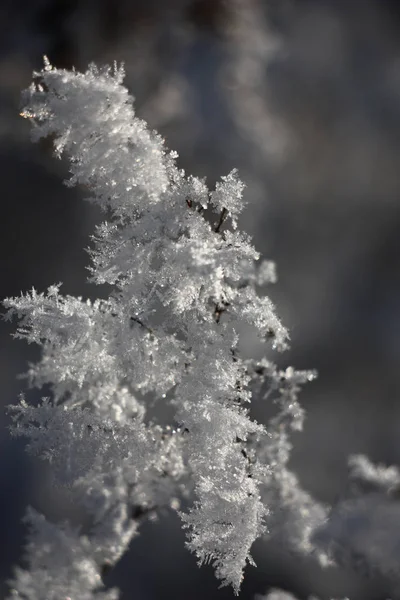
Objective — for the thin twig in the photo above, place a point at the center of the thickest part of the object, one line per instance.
(222, 218)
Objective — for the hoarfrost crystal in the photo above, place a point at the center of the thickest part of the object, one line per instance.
(182, 284)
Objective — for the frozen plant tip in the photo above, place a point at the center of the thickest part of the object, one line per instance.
(182, 284)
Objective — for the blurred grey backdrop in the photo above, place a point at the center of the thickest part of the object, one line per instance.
(303, 97)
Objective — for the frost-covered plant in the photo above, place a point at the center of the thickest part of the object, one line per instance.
(183, 283)
(362, 528)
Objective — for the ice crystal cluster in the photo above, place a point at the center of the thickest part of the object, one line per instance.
(184, 283)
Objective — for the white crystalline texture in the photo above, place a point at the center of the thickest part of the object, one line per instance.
(93, 121)
(180, 290)
(228, 195)
(60, 565)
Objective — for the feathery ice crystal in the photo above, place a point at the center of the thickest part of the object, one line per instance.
(183, 282)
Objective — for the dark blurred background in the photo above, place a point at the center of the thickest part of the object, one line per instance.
(303, 97)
